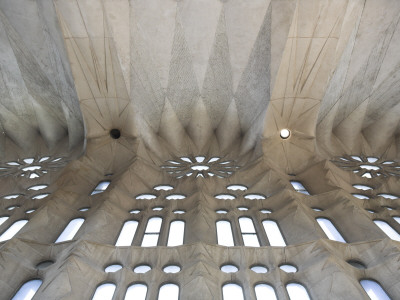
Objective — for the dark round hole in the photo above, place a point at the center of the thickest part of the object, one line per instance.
(44, 264)
(115, 133)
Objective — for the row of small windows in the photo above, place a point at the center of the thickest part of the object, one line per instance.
(230, 291)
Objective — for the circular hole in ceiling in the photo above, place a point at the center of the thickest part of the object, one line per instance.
(285, 133)
(115, 133)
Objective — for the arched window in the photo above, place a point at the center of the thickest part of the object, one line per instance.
(136, 291)
(101, 187)
(386, 228)
(12, 230)
(273, 233)
(152, 232)
(169, 291)
(224, 233)
(70, 231)
(330, 230)
(176, 233)
(232, 291)
(297, 292)
(248, 232)
(299, 187)
(127, 233)
(265, 292)
(28, 290)
(104, 291)
(374, 290)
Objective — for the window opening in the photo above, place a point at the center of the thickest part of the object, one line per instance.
(259, 269)
(297, 292)
(362, 187)
(152, 232)
(242, 208)
(232, 291)
(224, 233)
(388, 196)
(113, 268)
(330, 230)
(70, 230)
(386, 228)
(265, 211)
(104, 291)
(146, 197)
(163, 187)
(237, 187)
(38, 187)
(248, 232)
(40, 196)
(229, 269)
(44, 264)
(374, 290)
(157, 208)
(169, 291)
(176, 233)
(273, 233)
(142, 269)
(28, 290)
(221, 211)
(135, 211)
(299, 187)
(136, 291)
(288, 268)
(12, 230)
(265, 292)
(172, 269)
(13, 196)
(254, 197)
(101, 187)
(175, 197)
(360, 196)
(397, 219)
(179, 211)
(84, 209)
(3, 219)
(225, 197)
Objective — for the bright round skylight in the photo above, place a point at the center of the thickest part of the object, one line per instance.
(285, 133)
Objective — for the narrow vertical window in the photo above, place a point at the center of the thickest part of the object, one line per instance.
(248, 232)
(386, 228)
(330, 230)
(374, 290)
(152, 232)
(12, 230)
(273, 233)
(70, 231)
(176, 233)
(101, 187)
(28, 290)
(299, 187)
(232, 291)
(297, 292)
(104, 291)
(136, 291)
(224, 233)
(265, 292)
(127, 233)
(169, 291)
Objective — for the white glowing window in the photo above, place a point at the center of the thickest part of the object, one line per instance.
(200, 167)
(84, 209)
(288, 268)
(12, 230)
(70, 231)
(388, 196)
(101, 187)
(135, 211)
(112, 268)
(225, 197)
(175, 197)
(273, 233)
(299, 187)
(243, 208)
(146, 197)
(187, 159)
(3, 219)
(200, 158)
(248, 232)
(265, 211)
(237, 187)
(221, 211)
(297, 292)
(369, 167)
(157, 208)
(362, 187)
(317, 209)
(372, 159)
(179, 211)
(229, 269)
(213, 159)
(176, 233)
(355, 157)
(172, 269)
(142, 269)
(360, 196)
(169, 291)
(374, 290)
(152, 232)
(38, 187)
(330, 230)
(127, 233)
(40, 196)
(13, 196)
(28, 290)
(367, 175)
(386, 228)
(254, 197)
(397, 219)
(104, 291)
(224, 233)
(136, 291)
(163, 187)
(232, 291)
(259, 269)
(265, 292)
